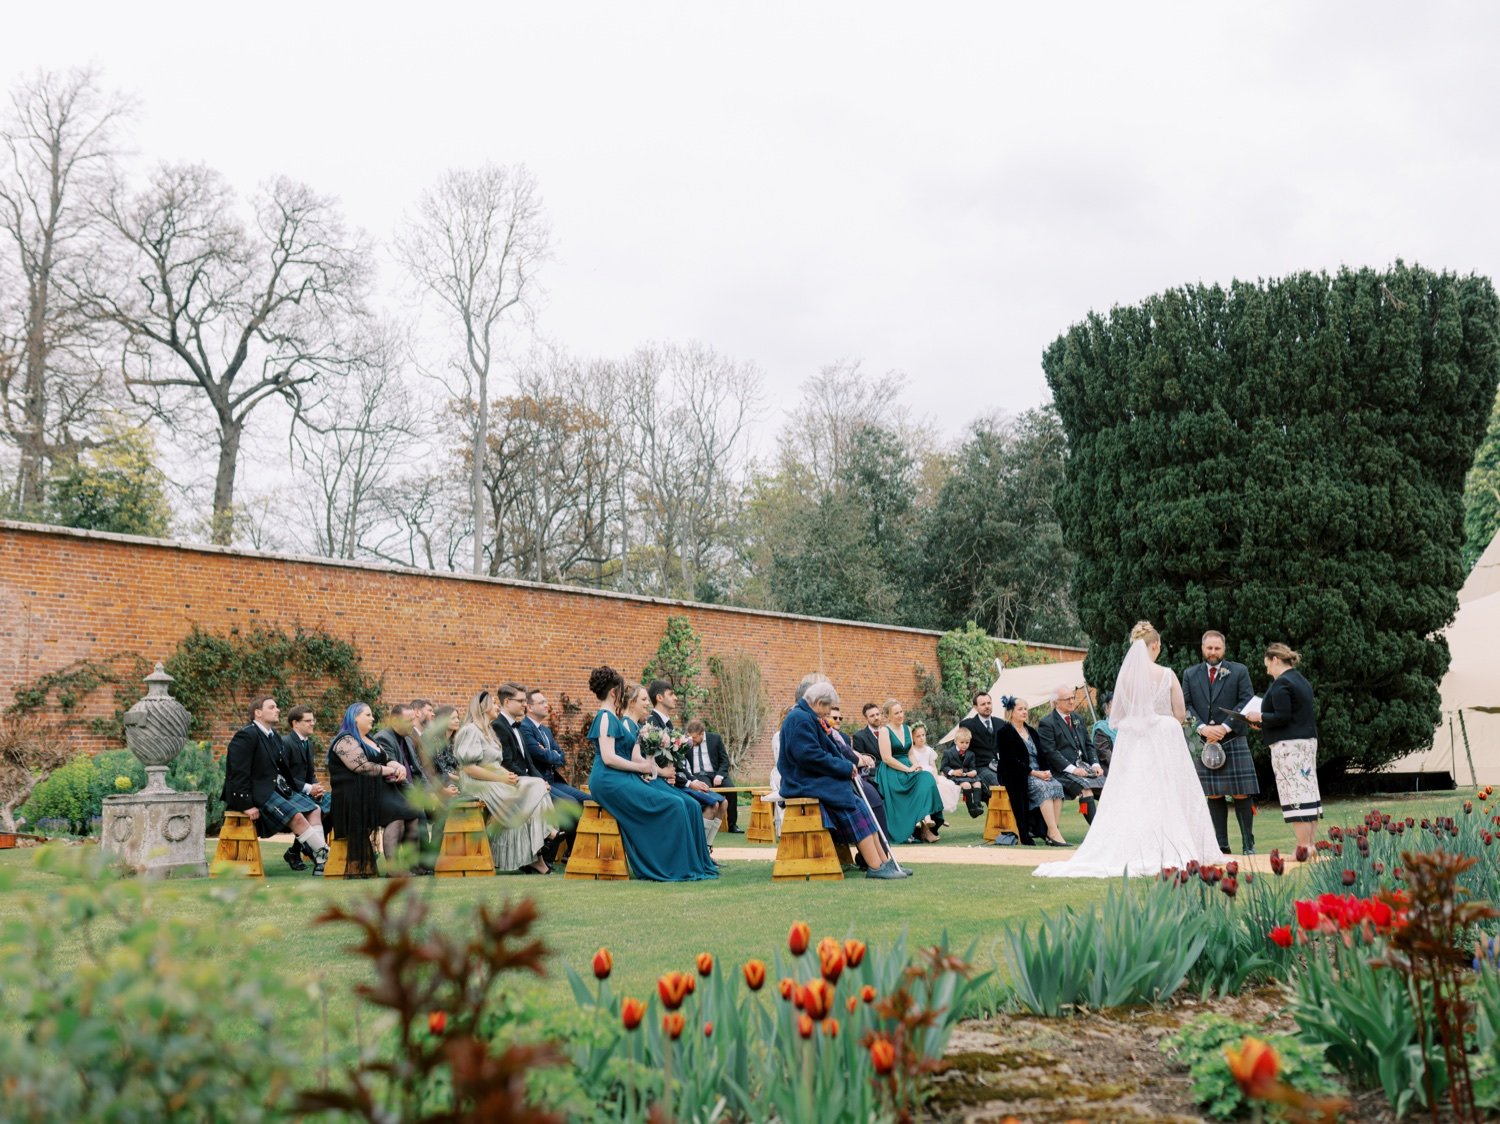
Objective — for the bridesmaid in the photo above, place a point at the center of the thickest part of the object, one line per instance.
(910, 792)
(661, 827)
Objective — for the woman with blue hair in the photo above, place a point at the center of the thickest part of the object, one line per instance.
(367, 793)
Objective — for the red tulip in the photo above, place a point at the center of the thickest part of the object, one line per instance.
(1232, 868)
(830, 959)
(1468, 807)
(788, 988)
(799, 936)
(708, 1030)
(867, 993)
(831, 1028)
(632, 1011)
(692, 983)
(1301, 854)
(883, 1055)
(816, 998)
(604, 963)
(1307, 915)
(851, 1003)
(1349, 878)
(1230, 887)
(673, 989)
(1248, 877)
(673, 1022)
(804, 1026)
(755, 974)
(1281, 936)
(854, 952)
(437, 1022)
(1254, 1066)
(705, 963)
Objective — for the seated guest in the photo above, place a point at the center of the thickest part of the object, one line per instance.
(437, 743)
(660, 826)
(1103, 733)
(548, 760)
(254, 783)
(718, 776)
(707, 763)
(297, 766)
(642, 709)
(926, 758)
(959, 767)
(1044, 792)
(518, 805)
(397, 738)
(811, 766)
(367, 794)
(1068, 753)
(910, 792)
(1010, 772)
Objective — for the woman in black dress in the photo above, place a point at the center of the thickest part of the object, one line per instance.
(367, 793)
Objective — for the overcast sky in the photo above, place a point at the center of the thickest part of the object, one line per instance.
(938, 189)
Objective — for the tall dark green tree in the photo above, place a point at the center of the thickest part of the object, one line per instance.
(1482, 492)
(1284, 461)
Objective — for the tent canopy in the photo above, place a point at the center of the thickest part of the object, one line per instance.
(1033, 683)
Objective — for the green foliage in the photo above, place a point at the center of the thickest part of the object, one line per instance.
(62, 693)
(75, 793)
(65, 795)
(966, 662)
(1283, 461)
(157, 1020)
(116, 487)
(1200, 1044)
(1482, 492)
(678, 660)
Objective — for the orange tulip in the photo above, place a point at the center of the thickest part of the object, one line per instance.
(804, 1026)
(831, 1028)
(1254, 1066)
(854, 952)
(816, 998)
(673, 989)
(867, 993)
(692, 983)
(632, 1011)
(830, 959)
(705, 963)
(755, 974)
(851, 1003)
(604, 963)
(788, 989)
(673, 1022)
(708, 1030)
(437, 1022)
(883, 1055)
(799, 936)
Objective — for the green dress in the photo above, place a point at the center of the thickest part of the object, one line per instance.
(909, 797)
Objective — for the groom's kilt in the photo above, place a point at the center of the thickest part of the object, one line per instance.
(1236, 778)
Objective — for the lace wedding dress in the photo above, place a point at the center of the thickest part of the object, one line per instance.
(1153, 813)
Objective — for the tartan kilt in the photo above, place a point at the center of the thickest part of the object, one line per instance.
(847, 825)
(1236, 778)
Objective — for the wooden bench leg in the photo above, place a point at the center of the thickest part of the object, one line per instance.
(598, 848)
(465, 849)
(806, 850)
(239, 847)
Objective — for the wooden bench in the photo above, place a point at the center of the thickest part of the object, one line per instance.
(762, 827)
(1000, 817)
(598, 848)
(338, 865)
(239, 847)
(807, 851)
(465, 848)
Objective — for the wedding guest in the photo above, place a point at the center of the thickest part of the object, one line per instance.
(638, 711)
(1044, 792)
(661, 830)
(911, 794)
(1103, 732)
(437, 742)
(297, 766)
(925, 757)
(398, 738)
(960, 769)
(548, 760)
(254, 783)
(1215, 691)
(995, 767)
(1067, 752)
(1289, 720)
(811, 766)
(366, 791)
(518, 805)
(864, 753)
(708, 764)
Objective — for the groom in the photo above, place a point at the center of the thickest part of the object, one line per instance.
(1215, 691)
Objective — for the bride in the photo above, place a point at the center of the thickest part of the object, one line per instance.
(1153, 813)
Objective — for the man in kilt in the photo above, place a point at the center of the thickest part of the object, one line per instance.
(812, 766)
(1215, 691)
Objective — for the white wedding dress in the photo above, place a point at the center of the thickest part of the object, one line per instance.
(1152, 813)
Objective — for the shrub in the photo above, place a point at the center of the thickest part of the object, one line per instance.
(1200, 1044)
(75, 793)
(30, 749)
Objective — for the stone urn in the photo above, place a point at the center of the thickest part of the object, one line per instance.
(157, 832)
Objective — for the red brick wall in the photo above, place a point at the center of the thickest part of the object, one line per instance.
(67, 596)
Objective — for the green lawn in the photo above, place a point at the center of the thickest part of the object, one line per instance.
(651, 927)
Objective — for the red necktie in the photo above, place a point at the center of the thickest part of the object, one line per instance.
(1213, 673)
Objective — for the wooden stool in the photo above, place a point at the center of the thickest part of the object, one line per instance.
(806, 851)
(465, 849)
(338, 866)
(598, 848)
(1000, 817)
(762, 827)
(238, 847)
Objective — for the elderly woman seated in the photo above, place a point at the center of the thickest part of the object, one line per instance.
(812, 766)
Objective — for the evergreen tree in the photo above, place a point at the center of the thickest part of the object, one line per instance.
(1283, 461)
(1482, 493)
(116, 487)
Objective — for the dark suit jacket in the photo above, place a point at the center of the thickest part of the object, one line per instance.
(512, 752)
(402, 750)
(297, 760)
(547, 757)
(984, 744)
(954, 761)
(250, 768)
(654, 719)
(1058, 745)
(810, 762)
(718, 759)
(1211, 703)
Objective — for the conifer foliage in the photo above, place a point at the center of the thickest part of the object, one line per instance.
(1283, 461)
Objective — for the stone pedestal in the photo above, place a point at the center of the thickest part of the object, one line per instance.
(157, 832)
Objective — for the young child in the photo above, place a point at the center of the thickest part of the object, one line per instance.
(923, 756)
(959, 769)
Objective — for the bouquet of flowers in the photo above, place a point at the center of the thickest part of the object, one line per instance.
(667, 751)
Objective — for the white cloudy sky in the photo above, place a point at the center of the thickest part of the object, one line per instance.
(938, 189)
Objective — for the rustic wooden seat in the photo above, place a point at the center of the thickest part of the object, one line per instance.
(1000, 817)
(598, 847)
(338, 865)
(762, 827)
(239, 847)
(807, 851)
(465, 849)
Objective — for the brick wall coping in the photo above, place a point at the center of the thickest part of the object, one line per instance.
(516, 583)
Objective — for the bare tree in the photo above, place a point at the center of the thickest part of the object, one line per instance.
(837, 403)
(238, 313)
(474, 245)
(424, 522)
(59, 150)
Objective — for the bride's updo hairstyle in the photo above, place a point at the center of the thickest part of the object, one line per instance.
(1279, 651)
(1145, 630)
(605, 681)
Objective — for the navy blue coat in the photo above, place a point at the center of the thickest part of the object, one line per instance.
(810, 762)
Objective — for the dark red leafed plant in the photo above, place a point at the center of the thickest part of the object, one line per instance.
(438, 983)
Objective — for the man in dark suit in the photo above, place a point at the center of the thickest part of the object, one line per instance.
(984, 732)
(1064, 747)
(1215, 691)
(254, 783)
(297, 761)
(398, 738)
(548, 758)
(513, 754)
(708, 761)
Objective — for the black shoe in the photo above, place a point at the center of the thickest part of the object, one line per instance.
(294, 858)
(735, 830)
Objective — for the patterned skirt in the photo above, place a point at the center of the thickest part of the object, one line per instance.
(1295, 763)
(848, 825)
(1236, 777)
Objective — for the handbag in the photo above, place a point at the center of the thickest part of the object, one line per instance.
(1007, 839)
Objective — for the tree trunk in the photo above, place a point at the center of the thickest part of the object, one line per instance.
(476, 479)
(230, 433)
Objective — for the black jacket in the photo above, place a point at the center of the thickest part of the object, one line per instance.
(1058, 745)
(984, 744)
(403, 751)
(1219, 702)
(251, 764)
(718, 759)
(297, 761)
(956, 761)
(1286, 710)
(512, 752)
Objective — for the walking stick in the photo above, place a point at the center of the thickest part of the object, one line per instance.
(880, 831)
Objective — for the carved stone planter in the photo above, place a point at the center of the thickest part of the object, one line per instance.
(157, 832)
